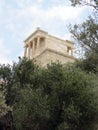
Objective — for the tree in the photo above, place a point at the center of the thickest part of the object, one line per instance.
(58, 98)
(90, 64)
(54, 98)
(86, 35)
(32, 111)
(3, 107)
(91, 3)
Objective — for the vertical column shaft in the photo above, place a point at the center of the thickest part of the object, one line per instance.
(67, 50)
(29, 51)
(25, 51)
(71, 51)
(38, 41)
(33, 46)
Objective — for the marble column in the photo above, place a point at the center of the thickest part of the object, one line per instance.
(71, 51)
(33, 47)
(67, 50)
(38, 41)
(29, 51)
(25, 51)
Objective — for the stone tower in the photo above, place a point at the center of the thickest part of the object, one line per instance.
(45, 48)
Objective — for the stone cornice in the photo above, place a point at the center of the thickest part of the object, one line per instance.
(38, 30)
(42, 31)
(61, 39)
(54, 51)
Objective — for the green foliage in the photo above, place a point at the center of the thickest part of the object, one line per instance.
(3, 107)
(91, 3)
(62, 98)
(4, 79)
(86, 35)
(90, 64)
(31, 112)
(54, 98)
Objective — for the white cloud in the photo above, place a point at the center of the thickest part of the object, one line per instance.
(35, 16)
(40, 1)
(35, 12)
(62, 12)
(1, 8)
(4, 54)
(23, 3)
(23, 17)
(67, 36)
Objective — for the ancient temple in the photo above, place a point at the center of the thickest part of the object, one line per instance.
(45, 48)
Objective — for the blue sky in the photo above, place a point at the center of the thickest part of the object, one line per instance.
(19, 18)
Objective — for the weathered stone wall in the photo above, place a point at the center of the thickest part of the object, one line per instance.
(45, 48)
(56, 44)
(49, 56)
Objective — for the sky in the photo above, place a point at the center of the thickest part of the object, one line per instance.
(19, 18)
